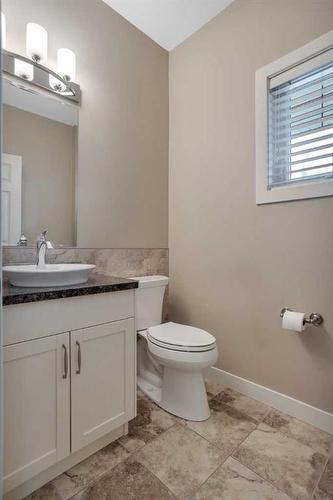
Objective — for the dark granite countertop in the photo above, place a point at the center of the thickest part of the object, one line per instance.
(97, 283)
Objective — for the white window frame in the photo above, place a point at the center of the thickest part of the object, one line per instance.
(308, 189)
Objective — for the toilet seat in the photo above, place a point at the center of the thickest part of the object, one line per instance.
(177, 337)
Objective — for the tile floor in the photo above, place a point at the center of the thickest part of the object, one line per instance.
(245, 451)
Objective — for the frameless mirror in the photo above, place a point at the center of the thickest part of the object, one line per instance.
(38, 166)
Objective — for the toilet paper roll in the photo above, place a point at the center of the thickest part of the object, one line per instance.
(293, 320)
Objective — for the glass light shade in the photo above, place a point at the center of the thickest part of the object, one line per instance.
(56, 84)
(3, 30)
(36, 43)
(66, 64)
(23, 70)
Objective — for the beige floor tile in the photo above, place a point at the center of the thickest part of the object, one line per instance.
(281, 457)
(324, 490)
(226, 428)
(290, 465)
(74, 480)
(181, 459)
(317, 439)
(47, 492)
(150, 422)
(234, 481)
(251, 407)
(97, 464)
(130, 480)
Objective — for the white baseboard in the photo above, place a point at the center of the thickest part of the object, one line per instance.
(314, 416)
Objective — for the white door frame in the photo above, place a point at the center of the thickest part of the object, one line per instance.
(11, 183)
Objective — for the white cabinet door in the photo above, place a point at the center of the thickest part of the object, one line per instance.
(36, 407)
(103, 380)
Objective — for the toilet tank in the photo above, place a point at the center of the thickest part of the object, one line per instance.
(149, 300)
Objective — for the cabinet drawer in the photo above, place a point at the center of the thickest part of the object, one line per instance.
(38, 319)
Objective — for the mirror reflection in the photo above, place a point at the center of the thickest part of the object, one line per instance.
(39, 166)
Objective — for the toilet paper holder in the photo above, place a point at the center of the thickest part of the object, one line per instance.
(314, 318)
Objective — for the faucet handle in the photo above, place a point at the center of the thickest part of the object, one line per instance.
(42, 236)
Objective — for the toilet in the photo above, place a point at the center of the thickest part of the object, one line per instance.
(171, 357)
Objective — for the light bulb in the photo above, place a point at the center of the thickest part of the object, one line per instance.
(23, 70)
(3, 30)
(56, 84)
(66, 64)
(36, 43)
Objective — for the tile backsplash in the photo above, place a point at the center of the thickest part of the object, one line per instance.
(123, 262)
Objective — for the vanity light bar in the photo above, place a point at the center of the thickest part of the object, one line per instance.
(26, 70)
(33, 69)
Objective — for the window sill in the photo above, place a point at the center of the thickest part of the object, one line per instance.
(300, 191)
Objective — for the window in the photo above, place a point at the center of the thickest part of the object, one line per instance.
(294, 127)
(300, 142)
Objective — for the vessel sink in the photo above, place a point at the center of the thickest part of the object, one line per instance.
(48, 275)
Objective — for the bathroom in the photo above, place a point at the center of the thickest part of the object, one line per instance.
(171, 335)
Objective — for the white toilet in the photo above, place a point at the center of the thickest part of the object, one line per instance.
(171, 356)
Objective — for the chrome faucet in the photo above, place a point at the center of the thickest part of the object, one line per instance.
(42, 246)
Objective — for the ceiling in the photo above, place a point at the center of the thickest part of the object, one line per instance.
(168, 22)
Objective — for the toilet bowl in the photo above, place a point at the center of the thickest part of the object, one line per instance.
(171, 356)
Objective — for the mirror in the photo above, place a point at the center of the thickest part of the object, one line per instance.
(39, 166)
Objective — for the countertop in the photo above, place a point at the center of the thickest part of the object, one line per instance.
(97, 283)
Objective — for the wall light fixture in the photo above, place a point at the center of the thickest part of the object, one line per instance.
(32, 68)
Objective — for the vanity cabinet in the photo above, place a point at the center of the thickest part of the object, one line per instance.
(36, 407)
(66, 393)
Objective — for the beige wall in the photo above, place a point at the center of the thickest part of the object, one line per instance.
(47, 148)
(123, 131)
(233, 264)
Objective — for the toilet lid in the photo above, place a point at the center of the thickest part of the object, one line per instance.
(175, 335)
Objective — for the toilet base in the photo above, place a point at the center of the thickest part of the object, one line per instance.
(183, 394)
(154, 393)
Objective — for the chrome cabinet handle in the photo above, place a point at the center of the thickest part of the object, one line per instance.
(65, 373)
(78, 371)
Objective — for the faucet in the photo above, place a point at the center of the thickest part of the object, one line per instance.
(42, 246)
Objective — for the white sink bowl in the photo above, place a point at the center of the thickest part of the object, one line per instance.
(49, 275)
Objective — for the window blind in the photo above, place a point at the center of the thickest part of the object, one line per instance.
(300, 128)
